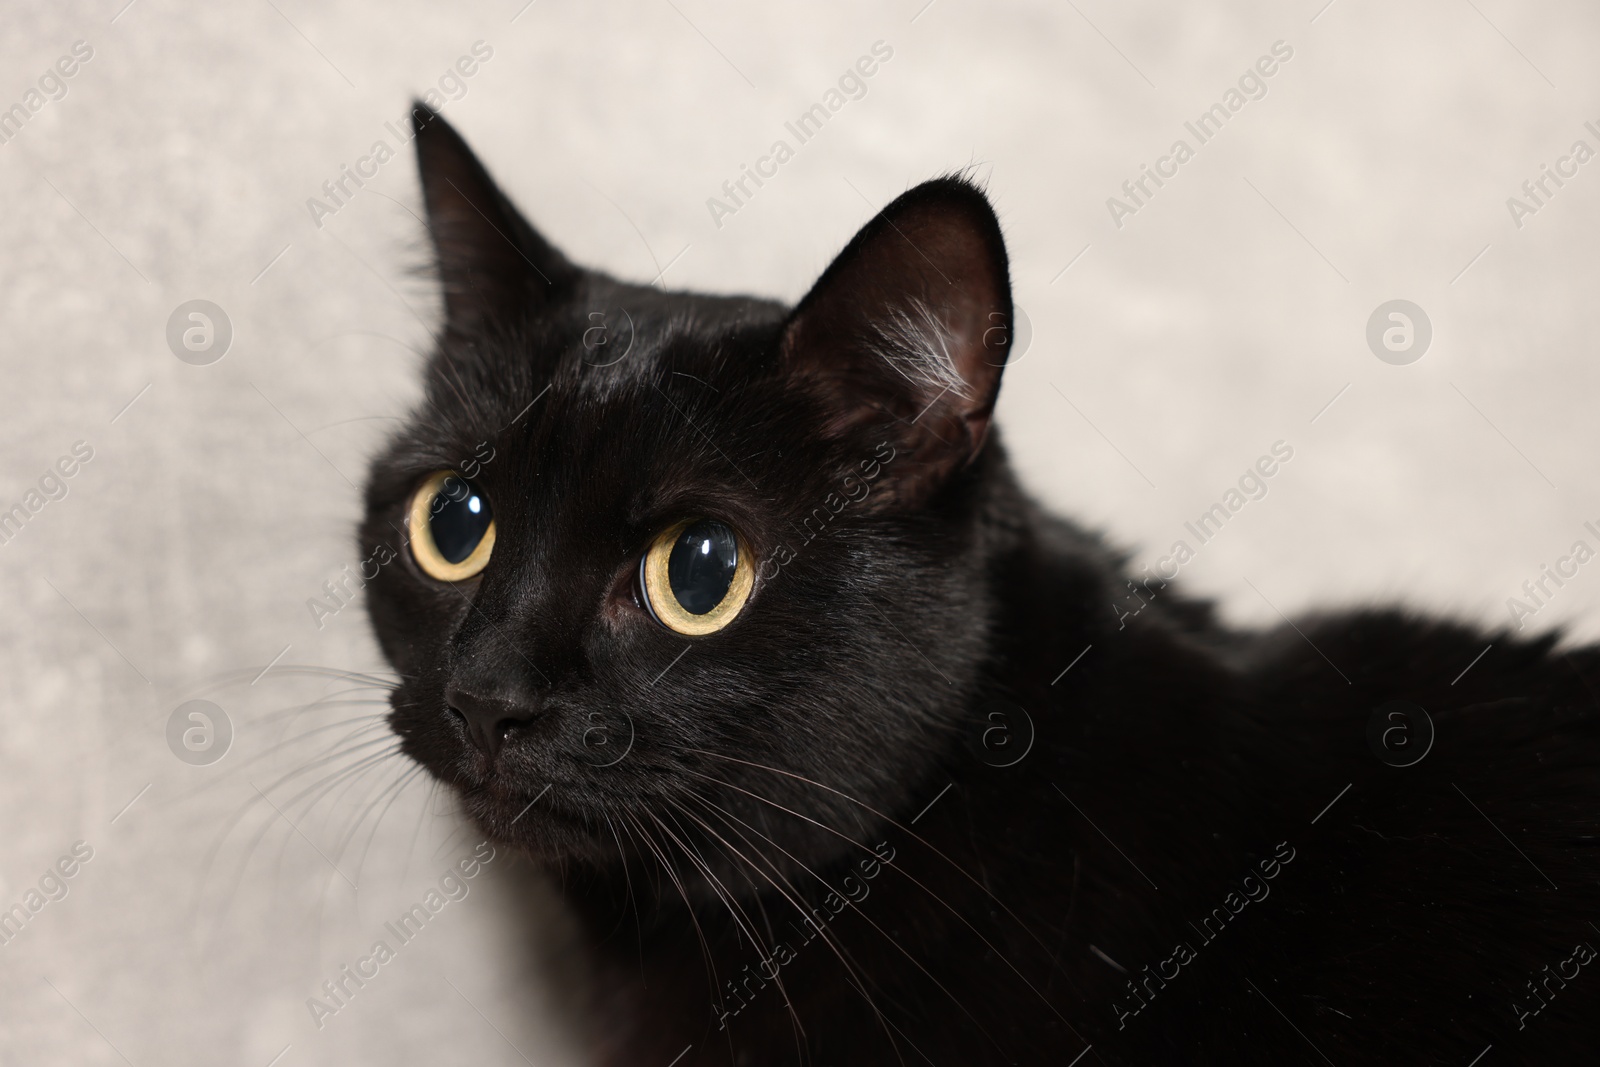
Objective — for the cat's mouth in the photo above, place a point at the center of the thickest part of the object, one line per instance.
(553, 800)
(553, 822)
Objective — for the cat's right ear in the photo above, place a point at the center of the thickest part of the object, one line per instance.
(909, 330)
(495, 268)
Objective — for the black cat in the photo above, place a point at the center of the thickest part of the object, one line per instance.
(845, 752)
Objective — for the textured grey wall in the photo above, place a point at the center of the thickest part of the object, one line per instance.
(1226, 313)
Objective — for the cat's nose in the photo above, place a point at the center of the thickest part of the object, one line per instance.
(489, 719)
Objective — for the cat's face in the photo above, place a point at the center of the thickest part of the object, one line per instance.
(660, 558)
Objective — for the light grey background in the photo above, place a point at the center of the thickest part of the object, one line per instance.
(1223, 317)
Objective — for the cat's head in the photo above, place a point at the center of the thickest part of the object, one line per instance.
(645, 558)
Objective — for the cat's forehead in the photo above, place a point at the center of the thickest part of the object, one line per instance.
(631, 399)
(611, 345)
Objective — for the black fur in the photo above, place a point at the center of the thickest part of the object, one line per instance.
(1171, 789)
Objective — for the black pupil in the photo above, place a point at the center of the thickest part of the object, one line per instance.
(701, 566)
(460, 517)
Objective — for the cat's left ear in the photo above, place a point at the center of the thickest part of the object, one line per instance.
(496, 269)
(910, 327)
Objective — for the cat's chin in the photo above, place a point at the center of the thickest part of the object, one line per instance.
(534, 823)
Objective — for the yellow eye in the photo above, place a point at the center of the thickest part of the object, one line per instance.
(696, 576)
(452, 527)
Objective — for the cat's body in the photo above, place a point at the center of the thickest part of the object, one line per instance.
(931, 797)
(1403, 928)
